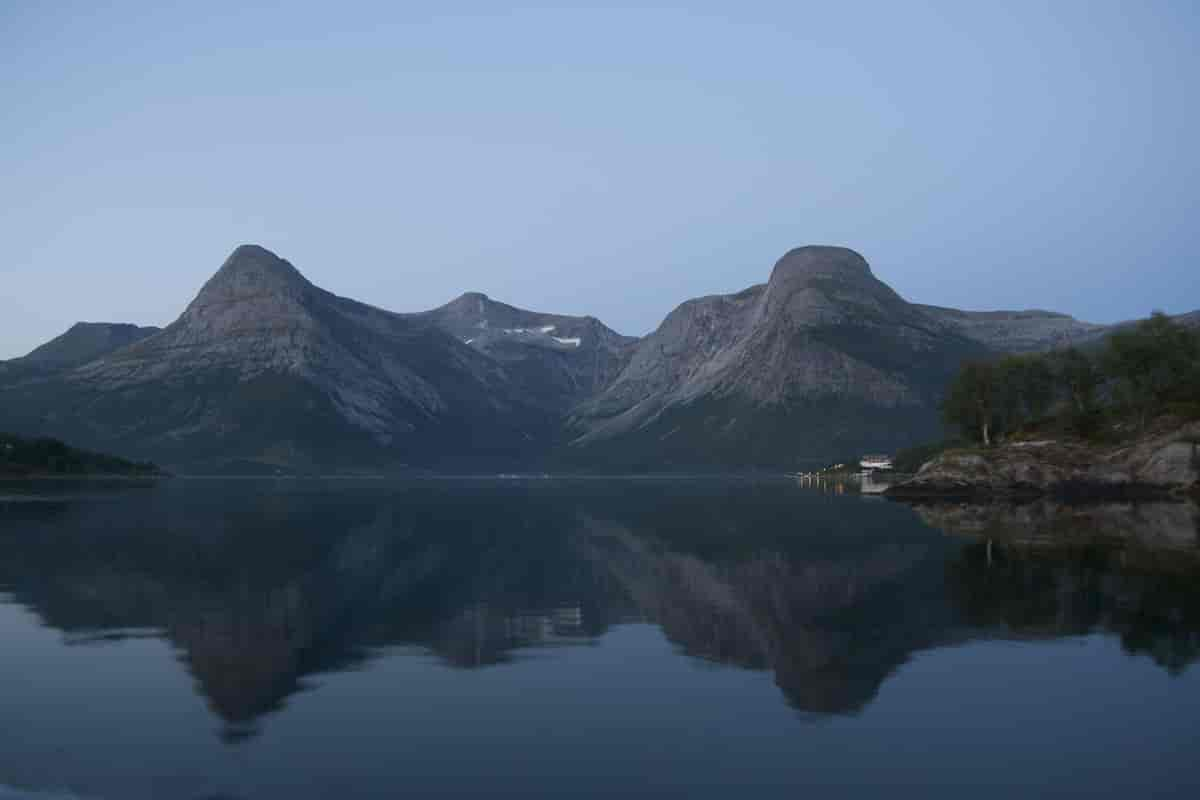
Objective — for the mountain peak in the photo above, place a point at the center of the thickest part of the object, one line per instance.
(251, 271)
(470, 300)
(820, 261)
(253, 258)
(820, 285)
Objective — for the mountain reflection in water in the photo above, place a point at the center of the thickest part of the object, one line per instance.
(260, 586)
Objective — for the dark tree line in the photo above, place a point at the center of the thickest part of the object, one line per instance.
(20, 455)
(1139, 372)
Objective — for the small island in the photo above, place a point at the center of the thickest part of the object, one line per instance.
(1119, 421)
(25, 457)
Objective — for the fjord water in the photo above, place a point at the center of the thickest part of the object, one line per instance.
(586, 638)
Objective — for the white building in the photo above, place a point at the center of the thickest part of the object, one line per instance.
(871, 463)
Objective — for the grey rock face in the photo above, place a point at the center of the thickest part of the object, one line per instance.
(1015, 472)
(1168, 457)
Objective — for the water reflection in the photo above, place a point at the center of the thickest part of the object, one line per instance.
(1051, 569)
(1170, 530)
(260, 587)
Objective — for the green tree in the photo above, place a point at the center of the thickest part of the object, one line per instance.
(1080, 378)
(1152, 363)
(972, 400)
(1025, 388)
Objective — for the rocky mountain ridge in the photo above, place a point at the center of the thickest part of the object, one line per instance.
(266, 371)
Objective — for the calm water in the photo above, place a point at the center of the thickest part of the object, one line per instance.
(206, 639)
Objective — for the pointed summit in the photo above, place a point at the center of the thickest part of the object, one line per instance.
(249, 257)
(257, 298)
(251, 271)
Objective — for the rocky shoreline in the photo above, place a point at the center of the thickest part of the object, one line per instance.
(1163, 461)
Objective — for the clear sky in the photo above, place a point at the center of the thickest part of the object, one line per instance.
(596, 160)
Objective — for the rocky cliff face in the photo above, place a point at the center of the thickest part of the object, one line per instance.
(822, 359)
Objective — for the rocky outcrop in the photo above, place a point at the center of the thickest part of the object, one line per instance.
(1164, 458)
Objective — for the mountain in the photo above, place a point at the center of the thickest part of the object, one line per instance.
(264, 368)
(84, 342)
(821, 361)
(558, 360)
(265, 372)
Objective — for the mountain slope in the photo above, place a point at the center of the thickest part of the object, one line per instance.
(263, 366)
(823, 360)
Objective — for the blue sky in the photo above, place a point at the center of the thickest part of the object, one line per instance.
(601, 160)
